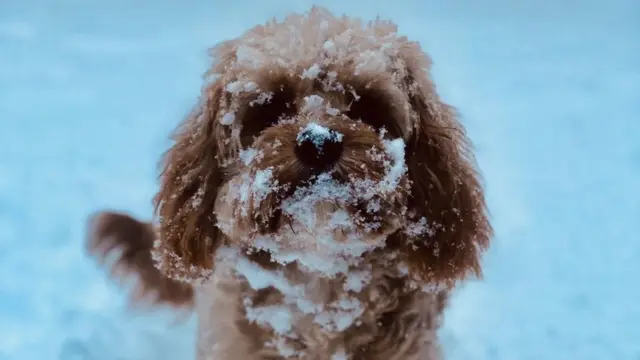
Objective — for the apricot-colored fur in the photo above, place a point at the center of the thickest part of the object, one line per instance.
(412, 274)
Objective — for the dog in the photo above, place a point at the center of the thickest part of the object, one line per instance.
(320, 202)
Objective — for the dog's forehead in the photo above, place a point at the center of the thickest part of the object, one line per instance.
(306, 44)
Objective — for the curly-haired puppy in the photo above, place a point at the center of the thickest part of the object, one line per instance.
(319, 203)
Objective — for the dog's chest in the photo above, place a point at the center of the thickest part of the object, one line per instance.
(301, 315)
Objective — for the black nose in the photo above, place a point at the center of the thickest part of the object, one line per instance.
(318, 147)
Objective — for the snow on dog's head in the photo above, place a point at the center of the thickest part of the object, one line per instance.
(318, 140)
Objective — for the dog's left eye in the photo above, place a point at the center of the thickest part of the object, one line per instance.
(372, 108)
(261, 115)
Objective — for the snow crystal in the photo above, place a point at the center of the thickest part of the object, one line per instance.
(339, 315)
(330, 47)
(278, 317)
(236, 87)
(356, 280)
(263, 184)
(331, 83)
(262, 99)
(248, 155)
(228, 118)
(403, 268)
(255, 188)
(197, 198)
(257, 277)
(250, 57)
(301, 204)
(312, 72)
(395, 148)
(165, 259)
(312, 103)
(283, 348)
(371, 61)
(418, 228)
(340, 355)
(332, 111)
(260, 278)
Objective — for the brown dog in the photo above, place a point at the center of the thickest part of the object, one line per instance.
(319, 203)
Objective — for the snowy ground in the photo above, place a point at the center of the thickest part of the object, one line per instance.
(89, 91)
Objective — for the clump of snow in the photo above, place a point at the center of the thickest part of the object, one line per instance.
(340, 314)
(236, 87)
(263, 98)
(228, 118)
(250, 57)
(323, 236)
(356, 280)
(340, 355)
(282, 346)
(315, 103)
(312, 103)
(397, 168)
(277, 317)
(332, 111)
(330, 47)
(263, 184)
(297, 301)
(254, 188)
(371, 61)
(418, 228)
(312, 72)
(196, 199)
(331, 83)
(165, 259)
(324, 25)
(318, 135)
(247, 156)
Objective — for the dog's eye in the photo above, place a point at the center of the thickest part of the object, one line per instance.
(372, 108)
(266, 110)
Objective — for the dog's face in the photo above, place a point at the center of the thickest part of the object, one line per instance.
(320, 139)
(319, 177)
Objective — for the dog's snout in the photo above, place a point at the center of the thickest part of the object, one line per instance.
(318, 147)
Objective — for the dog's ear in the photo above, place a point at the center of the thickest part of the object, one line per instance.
(127, 242)
(447, 197)
(189, 181)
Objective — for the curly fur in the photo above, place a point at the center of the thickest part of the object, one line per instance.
(371, 79)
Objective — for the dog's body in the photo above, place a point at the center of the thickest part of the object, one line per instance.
(392, 325)
(319, 204)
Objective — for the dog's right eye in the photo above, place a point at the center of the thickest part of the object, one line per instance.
(372, 108)
(266, 111)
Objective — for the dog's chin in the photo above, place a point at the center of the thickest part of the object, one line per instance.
(325, 226)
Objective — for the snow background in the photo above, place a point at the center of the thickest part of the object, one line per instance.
(90, 89)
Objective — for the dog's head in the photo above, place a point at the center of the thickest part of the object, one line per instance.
(319, 136)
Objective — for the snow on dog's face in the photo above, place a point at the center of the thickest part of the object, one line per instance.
(319, 139)
(319, 187)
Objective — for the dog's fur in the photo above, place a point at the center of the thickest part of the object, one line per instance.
(433, 224)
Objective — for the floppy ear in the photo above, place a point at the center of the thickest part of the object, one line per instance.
(446, 193)
(189, 183)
